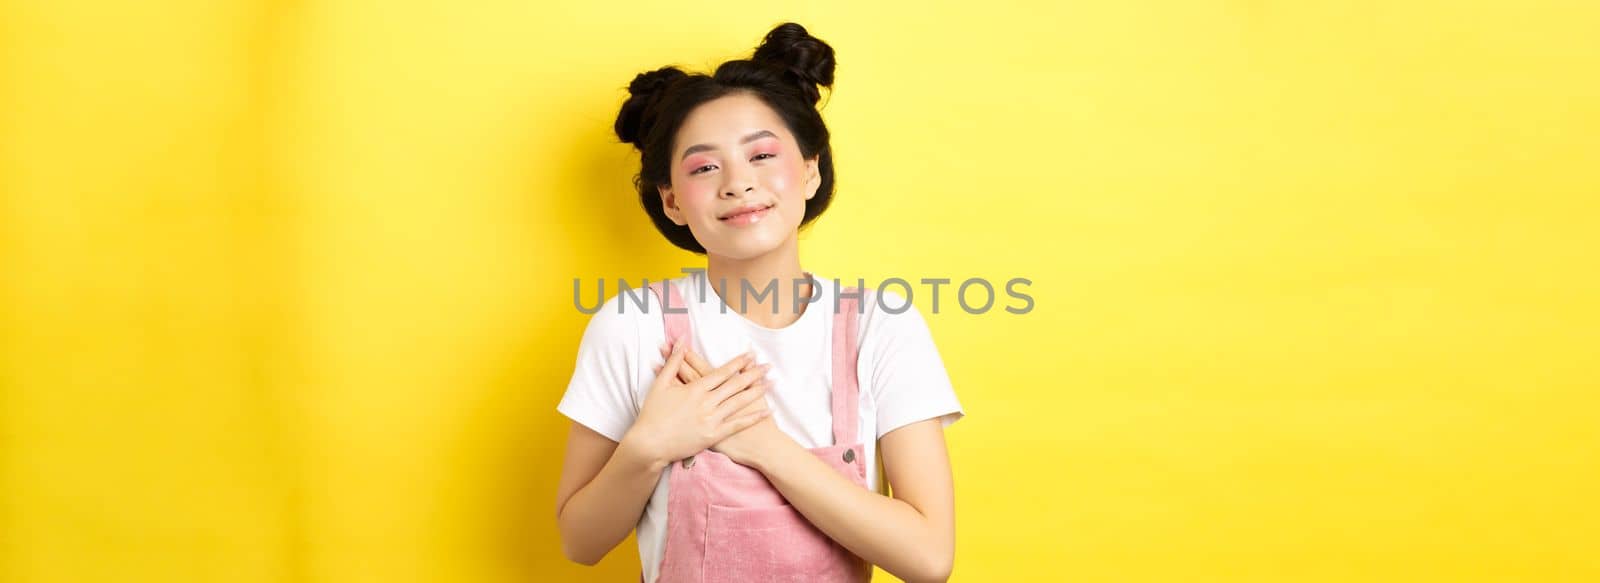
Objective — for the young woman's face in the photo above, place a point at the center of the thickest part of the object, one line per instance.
(731, 155)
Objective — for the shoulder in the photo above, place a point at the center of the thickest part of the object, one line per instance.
(900, 365)
(625, 315)
(888, 315)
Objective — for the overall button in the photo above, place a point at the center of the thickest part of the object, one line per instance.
(849, 456)
(688, 462)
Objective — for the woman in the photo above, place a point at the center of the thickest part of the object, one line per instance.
(744, 448)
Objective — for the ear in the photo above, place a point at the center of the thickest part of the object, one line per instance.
(669, 205)
(813, 178)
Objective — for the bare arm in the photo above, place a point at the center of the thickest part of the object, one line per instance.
(604, 488)
(911, 535)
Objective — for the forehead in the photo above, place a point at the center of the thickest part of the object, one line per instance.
(726, 119)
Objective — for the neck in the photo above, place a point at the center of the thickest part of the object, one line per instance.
(781, 265)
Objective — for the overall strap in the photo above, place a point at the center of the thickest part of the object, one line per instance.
(846, 390)
(677, 320)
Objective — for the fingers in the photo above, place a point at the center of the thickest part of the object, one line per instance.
(698, 367)
(742, 400)
(743, 422)
(739, 382)
(673, 364)
(719, 375)
(695, 368)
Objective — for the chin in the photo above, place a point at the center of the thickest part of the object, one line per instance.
(747, 245)
(741, 251)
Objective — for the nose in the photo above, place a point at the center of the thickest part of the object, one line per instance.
(738, 180)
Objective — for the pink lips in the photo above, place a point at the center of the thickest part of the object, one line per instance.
(747, 215)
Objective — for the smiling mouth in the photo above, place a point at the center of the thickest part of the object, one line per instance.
(747, 217)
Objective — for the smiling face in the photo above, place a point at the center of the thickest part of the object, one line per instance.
(739, 180)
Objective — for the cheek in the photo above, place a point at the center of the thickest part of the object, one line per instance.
(784, 178)
(696, 195)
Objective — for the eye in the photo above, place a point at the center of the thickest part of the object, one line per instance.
(702, 169)
(764, 156)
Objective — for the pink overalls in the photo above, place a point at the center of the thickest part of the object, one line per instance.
(727, 524)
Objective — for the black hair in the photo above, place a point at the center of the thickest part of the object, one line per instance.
(786, 72)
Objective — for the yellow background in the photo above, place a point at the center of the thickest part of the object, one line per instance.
(287, 285)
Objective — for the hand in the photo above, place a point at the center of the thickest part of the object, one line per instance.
(680, 419)
(694, 367)
(747, 445)
(743, 445)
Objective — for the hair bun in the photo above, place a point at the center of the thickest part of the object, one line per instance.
(638, 113)
(806, 58)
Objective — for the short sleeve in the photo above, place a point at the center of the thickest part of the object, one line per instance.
(603, 393)
(902, 367)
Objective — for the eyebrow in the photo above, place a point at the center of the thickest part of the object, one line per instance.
(708, 147)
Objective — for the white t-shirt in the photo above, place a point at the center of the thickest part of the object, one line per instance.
(902, 379)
